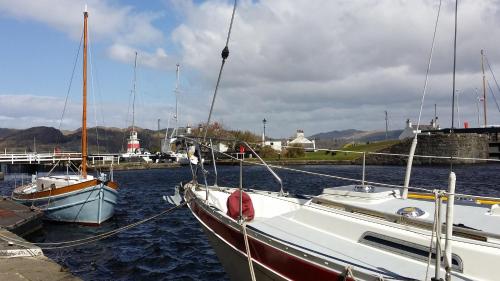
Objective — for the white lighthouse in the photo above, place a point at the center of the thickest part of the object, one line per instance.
(133, 145)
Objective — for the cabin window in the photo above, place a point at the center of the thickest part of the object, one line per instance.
(406, 248)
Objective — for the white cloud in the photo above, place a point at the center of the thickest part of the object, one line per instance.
(158, 60)
(107, 20)
(324, 65)
(123, 26)
(316, 65)
(25, 111)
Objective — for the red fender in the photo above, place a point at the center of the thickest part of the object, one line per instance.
(233, 206)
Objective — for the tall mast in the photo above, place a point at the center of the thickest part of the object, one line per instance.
(84, 115)
(133, 92)
(454, 70)
(177, 97)
(176, 92)
(484, 88)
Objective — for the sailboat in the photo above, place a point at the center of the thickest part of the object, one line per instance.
(179, 154)
(133, 142)
(362, 231)
(80, 198)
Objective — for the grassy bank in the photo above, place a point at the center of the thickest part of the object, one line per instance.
(340, 156)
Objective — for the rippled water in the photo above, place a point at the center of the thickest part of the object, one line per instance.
(174, 247)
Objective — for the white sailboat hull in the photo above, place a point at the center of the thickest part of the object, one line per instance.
(93, 204)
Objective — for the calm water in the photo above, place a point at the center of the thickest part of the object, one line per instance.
(174, 246)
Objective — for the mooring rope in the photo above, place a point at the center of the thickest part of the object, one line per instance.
(249, 255)
(88, 240)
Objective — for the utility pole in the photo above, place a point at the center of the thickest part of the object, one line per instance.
(386, 126)
(484, 88)
(264, 121)
(435, 116)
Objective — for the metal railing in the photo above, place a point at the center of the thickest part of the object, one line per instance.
(39, 158)
(363, 181)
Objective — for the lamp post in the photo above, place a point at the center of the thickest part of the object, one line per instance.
(264, 121)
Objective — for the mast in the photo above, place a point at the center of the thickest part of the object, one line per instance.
(176, 92)
(84, 115)
(177, 97)
(133, 92)
(484, 88)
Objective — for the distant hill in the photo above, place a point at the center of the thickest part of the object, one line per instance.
(344, 134)
(336, 139)
(45, 139)
(5, 132)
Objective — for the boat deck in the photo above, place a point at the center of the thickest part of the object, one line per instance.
(466, 214)
(335, 248)
(336, 235)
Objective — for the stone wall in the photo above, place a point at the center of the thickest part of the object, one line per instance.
(458, 145)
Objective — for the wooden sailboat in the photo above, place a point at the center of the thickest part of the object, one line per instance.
(78, 198)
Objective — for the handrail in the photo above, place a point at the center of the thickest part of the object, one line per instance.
(250, 148)
(213, 159)
(268, 168)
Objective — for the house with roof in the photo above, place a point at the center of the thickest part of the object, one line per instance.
(410, 130)
(308, 145)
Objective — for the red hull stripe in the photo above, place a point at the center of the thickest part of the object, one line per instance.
(285, 264)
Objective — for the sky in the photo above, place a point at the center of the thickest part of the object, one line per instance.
(318, 65)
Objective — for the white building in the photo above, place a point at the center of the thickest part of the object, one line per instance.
(410, 130)
(222, 147)
(274, 144)
(302, 140)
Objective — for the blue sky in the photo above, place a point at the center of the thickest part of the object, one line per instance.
(317, 66)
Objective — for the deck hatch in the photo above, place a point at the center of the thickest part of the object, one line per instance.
(405, 248)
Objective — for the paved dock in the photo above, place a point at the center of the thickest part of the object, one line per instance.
(19, 219)
(21, 260)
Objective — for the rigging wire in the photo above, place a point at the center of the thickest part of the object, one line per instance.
(93, 96)
(495, 79)
(424, 92)
(224, 55)
(126, 121)
(69, 86)
(100, 102)
(493, 95)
